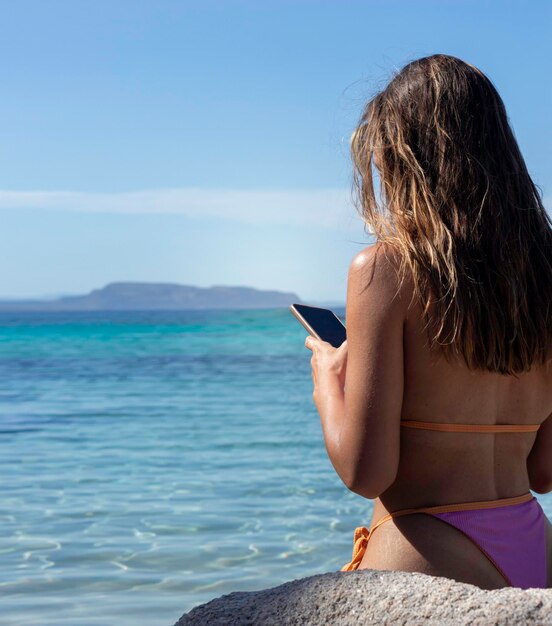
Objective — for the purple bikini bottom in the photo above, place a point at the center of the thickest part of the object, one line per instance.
(512, 537)
(511, 533)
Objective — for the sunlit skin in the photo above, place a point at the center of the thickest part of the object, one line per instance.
(385, 372)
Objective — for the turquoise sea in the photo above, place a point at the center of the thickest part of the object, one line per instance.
(153, 461)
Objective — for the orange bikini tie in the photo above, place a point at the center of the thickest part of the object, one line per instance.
(471, 428)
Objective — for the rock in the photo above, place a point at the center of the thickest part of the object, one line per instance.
(374, 597)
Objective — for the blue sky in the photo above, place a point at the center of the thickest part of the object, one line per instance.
(207, 142)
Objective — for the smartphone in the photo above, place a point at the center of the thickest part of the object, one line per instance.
(320, 323)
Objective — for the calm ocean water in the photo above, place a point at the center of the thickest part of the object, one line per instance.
(153, 461)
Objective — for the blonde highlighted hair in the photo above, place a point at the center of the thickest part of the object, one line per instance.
(459, 205)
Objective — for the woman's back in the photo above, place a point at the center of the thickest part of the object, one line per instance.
(438, 467)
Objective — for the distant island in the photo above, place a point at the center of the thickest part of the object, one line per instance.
(131, 296)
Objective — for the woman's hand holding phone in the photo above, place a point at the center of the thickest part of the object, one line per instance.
(329, 365)
(328, 343)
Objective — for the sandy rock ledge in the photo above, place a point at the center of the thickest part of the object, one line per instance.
(373, 597)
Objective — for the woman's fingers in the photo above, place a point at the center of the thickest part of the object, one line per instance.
(312, 342)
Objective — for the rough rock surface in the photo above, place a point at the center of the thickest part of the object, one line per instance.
(374, 597)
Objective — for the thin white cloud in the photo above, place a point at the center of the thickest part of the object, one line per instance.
(331, 207)
(322, 207)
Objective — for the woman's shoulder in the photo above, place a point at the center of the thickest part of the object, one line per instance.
(378, 271)
(378, 261)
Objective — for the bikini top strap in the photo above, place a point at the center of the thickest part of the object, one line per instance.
(471, 428)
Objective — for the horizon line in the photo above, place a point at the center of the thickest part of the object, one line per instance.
(56, 297)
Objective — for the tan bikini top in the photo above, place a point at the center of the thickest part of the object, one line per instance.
(472, 428)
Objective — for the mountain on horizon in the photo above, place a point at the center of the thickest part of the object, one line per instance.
(136, 296)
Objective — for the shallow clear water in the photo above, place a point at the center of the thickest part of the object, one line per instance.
(153, 461)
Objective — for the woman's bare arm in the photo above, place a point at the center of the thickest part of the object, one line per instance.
(539, 461)
(370, 433)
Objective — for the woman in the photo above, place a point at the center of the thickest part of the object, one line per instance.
(439, 404)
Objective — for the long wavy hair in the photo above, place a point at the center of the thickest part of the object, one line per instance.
(457, 202)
